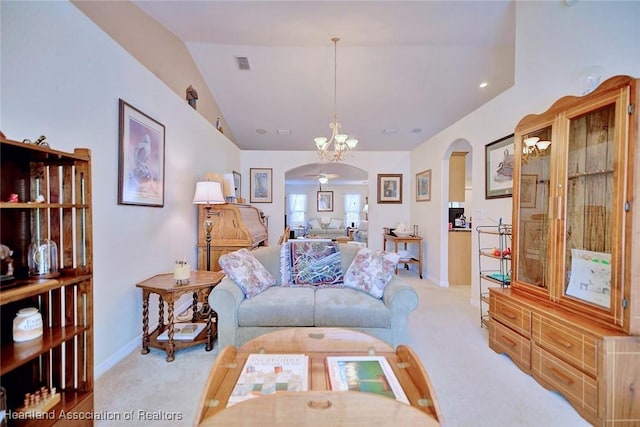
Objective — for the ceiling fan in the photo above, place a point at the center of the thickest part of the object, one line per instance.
(322, 176)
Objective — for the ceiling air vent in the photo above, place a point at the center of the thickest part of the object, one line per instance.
(243, 62)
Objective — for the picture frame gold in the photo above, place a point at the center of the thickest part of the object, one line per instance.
(389, 188)
(423, 186)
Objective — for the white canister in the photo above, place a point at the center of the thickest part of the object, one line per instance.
(27, 324)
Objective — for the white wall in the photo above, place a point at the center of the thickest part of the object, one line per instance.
(62, 77)
(555, 43)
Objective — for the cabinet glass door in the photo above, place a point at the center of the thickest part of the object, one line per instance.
(590, 192)
(533, 206)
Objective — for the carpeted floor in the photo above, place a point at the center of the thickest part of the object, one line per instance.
(475, 386)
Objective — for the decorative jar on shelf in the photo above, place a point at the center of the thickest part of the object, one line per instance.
(27, 325)
(43, 258)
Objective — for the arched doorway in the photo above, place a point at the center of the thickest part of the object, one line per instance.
(327, 191)
(457, 212)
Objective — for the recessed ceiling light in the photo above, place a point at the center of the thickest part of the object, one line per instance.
(484, 84)
(416, 130)
(261, 131)
(389, 131)
(284, 131)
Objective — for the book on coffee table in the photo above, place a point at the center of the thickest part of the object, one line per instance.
(369, 374)
(265, 374)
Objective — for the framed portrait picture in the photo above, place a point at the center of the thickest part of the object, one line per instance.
(260, 188)
(423, 186)
(140, 158)
(528, 190)
(389, 188)
(237, 182)
(325, 201)
(499, 158)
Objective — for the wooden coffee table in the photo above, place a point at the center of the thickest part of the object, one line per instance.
(319, 406)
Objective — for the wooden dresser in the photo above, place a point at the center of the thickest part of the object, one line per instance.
(235, 227)
(572, 316)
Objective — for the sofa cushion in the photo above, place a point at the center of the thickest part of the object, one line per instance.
(269, 257)
(349, 308)
(370, 271)
(278, 306)
(335, 224)
(314, 223)
(311, 262)
(244, 269)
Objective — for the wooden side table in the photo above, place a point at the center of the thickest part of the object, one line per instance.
(406, 240)
(165, 286)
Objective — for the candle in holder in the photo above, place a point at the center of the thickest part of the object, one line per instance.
(181, 272)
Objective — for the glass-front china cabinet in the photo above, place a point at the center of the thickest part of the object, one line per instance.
(572, 195)
(571, 317)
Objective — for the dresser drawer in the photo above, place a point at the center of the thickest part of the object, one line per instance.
(504, 340)
(511, 314)
(580, 389)
(568, 343)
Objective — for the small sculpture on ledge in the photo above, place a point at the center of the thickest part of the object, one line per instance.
(192, 96)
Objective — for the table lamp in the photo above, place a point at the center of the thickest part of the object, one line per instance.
(208, 193)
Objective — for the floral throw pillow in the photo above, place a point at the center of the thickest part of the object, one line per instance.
(244, 269)
(371, 270)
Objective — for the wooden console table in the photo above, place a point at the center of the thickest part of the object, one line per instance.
(164, 285)
(319, 406)
(406, 240)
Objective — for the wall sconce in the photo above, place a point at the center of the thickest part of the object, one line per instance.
(534, 147)
(208, 193)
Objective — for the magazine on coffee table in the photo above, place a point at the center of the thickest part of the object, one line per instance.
(369, 374)
(183, 331)
(265, 374)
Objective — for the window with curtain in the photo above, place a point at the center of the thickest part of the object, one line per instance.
(297, 210)
(352, 209)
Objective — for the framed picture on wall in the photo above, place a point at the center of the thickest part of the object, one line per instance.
(237, 182)
(325, 201)
(389, 188)
(140, 158)
(423, 186)
(499, 158)
(261, 182)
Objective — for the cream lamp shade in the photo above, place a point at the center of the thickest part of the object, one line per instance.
(208, 193)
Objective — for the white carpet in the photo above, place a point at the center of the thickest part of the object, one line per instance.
(474, 385)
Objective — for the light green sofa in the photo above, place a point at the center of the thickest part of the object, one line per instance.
(280, 307)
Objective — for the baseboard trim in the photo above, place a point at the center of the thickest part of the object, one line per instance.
(128, 348)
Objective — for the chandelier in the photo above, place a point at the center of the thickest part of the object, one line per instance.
(339, 144)
(534, 147)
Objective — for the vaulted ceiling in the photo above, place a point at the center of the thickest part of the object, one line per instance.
(406, 70)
